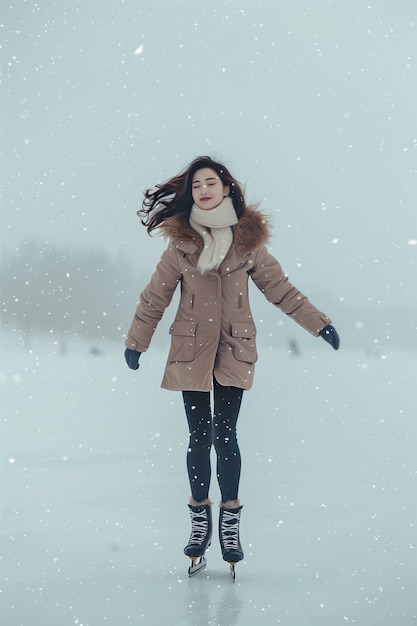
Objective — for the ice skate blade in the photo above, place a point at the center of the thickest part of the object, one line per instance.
(197, 564)
(233, 571)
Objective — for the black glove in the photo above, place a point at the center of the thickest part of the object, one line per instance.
(132, 358)
(330, 335)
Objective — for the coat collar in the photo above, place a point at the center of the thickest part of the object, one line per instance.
(251, 231)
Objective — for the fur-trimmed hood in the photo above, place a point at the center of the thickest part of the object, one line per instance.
(251, 231)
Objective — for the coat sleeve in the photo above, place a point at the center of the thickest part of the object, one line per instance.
(153, 301)
(269, 277)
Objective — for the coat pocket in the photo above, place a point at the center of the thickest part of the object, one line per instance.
(244, 345)
(182, 341)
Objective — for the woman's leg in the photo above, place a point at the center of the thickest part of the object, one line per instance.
(198, 412)
(227, 402)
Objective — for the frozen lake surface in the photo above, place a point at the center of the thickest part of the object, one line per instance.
(94, 493)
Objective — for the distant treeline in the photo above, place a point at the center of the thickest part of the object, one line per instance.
(91, 294)
(81, 292)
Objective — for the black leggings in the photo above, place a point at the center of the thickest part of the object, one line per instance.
(220, 431)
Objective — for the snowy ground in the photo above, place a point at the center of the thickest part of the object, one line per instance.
(94, 493)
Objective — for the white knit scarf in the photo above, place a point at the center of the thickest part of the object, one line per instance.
(214, 227)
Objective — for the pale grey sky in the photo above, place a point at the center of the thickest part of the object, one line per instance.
(312, 105)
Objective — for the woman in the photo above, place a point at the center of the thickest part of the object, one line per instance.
(215, 243)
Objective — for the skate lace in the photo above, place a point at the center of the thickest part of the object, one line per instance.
(199, 525)
(230, 530)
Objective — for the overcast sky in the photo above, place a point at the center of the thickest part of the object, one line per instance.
(311, 104)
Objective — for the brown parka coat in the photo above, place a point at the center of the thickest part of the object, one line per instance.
(214, 332)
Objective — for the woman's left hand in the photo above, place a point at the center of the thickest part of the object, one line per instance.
(330, 335)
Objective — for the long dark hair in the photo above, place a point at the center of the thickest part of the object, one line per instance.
(175, 196)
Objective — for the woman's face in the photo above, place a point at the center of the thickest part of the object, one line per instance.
(207, 189)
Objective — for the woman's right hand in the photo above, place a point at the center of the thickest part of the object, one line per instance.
(132, 358)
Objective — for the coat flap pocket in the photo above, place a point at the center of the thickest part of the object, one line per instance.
(243, 330)
(184, 329)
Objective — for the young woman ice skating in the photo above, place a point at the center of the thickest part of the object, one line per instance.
(216, 242)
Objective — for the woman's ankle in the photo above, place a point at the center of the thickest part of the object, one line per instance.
(230, 504)
(206, 502)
